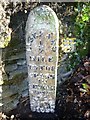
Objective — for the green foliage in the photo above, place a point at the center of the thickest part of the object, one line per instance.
(82, 34)
(83, 17)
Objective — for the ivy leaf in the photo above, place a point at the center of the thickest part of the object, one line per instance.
(85, 17)
(85, 86)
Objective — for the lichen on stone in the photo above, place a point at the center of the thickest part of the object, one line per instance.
(5, 31)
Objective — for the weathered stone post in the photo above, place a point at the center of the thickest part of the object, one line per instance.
(42, 37)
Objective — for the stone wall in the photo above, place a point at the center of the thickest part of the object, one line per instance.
(15, 74)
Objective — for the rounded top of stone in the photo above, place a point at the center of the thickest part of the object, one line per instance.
(41, 15)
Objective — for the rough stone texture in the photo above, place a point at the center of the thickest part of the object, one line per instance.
(42, 37)
(13, 69)
(15, 84)
(5, 31)
(1, 80)
(14, 59)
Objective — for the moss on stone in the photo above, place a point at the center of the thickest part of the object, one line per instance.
(15, 47)
(7, 62)
(16, 80)
(14, 42)
(19, 78)
(14, 95)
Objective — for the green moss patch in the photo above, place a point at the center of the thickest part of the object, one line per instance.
(16, 80)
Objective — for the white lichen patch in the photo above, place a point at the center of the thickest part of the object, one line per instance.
(5, 31)
(68, 45)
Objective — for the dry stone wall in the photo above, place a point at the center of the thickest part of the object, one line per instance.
(14, 76)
